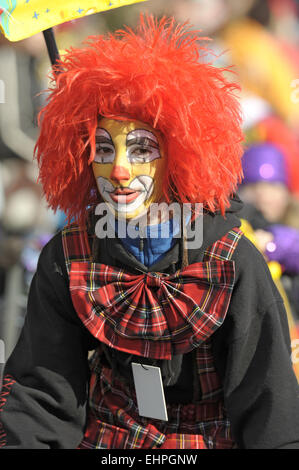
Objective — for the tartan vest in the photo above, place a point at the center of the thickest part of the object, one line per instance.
(113, 421)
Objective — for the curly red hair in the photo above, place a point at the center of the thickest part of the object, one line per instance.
(156, 75)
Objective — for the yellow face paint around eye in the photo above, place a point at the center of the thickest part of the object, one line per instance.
(129, 166)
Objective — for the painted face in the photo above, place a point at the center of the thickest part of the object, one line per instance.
(128, 166)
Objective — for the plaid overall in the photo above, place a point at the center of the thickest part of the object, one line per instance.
(113, 421)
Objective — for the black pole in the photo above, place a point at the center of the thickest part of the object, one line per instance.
(51, 45)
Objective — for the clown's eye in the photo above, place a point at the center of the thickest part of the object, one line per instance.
(142, 154)
(105, 153)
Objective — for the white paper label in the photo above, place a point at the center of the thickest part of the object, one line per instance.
(149, 391)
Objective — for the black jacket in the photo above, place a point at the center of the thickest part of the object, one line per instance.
(46, 406)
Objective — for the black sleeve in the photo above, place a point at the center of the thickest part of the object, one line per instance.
(44, 394)
(253, 356)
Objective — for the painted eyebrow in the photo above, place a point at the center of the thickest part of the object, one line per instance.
(103, 136)
(103, 140)
(142, 136)
(144, 141)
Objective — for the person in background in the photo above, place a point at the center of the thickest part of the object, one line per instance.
(272, 210)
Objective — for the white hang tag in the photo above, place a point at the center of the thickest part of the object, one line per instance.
(149, 391)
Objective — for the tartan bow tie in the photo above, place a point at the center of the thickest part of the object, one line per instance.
(152, 314)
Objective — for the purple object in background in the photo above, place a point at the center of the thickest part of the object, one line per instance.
(264, 162)
(284, 248)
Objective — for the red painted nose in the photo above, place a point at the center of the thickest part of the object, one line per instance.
(119, 173)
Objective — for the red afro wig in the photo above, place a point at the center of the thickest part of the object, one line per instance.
(156, 75)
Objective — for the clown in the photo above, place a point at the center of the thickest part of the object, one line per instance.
(136, 119)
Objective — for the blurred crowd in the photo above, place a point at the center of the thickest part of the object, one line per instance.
(259, 38)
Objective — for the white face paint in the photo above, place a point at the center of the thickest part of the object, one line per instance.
(129, 198)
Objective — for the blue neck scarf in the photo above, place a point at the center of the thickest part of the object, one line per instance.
(157, 241)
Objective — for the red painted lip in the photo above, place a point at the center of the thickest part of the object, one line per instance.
(124, 195)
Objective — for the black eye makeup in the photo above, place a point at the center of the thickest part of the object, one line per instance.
(142, 146)
(105, 151)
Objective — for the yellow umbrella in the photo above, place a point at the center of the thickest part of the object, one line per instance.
(20, 19)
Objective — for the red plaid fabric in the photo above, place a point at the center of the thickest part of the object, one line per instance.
(113, 421)
(8, 382)
(152, 315)
(223, 249)
(184, 441)
(76, 245)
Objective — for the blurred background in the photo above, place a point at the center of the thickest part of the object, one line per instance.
(260, 39)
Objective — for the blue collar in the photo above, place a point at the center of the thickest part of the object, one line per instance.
(157, 241)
